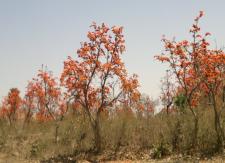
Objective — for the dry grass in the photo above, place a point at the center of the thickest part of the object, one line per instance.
(124, 137)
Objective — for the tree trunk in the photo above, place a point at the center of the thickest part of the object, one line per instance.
(27, 119)
(195, 134)
(218, 128)
(56, 132)
(196, 128)
(97, 136)
(219, 131)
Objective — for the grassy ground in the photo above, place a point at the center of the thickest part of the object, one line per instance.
(125, 138)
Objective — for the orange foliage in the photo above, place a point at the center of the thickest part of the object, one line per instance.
(43, 97)
(11, 105)
(194, 65)
(98, 78)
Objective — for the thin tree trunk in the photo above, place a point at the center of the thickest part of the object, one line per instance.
(27, 119)
(56, 132)
(196, 128)
(195, 136)
(218, 128)
(97, 136)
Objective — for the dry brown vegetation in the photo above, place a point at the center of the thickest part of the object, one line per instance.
(124, 137)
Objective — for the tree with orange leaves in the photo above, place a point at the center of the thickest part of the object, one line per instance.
(11, 105)
(199, 71)
(185, 60)
(29, 104)
(98, 78)
(146, 106)
(43, 97)
(213, 71)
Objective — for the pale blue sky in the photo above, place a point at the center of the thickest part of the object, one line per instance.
(36, 32)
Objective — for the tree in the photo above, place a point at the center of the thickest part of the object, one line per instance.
(167, 92)
(199, 71)
(29, 104)
(184, 60)
(145, 106)
(44, 99)
(213, 70)
(44, 95)
(98, 78)
(11, 105)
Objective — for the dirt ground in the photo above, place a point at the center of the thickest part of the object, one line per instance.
(4, 158)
